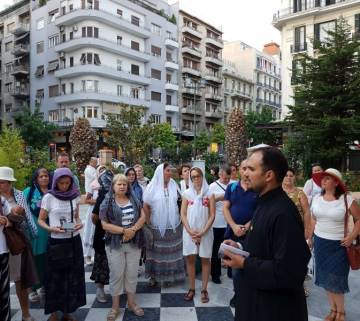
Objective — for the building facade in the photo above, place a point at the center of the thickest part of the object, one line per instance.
(301, 21)
(90, 58)
(263, 68)
(201, 72)
(14, 61)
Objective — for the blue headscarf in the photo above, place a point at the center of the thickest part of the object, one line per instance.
(71, 193)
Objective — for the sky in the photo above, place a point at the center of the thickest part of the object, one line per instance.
(245, 20)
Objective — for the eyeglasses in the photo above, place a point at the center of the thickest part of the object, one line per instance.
(195, 176)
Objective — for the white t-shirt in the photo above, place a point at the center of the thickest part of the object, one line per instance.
(59, 210)
(90, 176)
(330, 216)
(215, 189)
(6, 211)
(311, 190)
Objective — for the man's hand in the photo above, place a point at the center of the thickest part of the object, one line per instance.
(233, 260)
(231, 243)
(239, 230)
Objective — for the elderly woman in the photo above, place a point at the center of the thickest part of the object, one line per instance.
(198, 214)
(22, 267)
(137, 190)
(332, 265)
(164, 259)
(122, 217)
(65, 275)
(33, 195)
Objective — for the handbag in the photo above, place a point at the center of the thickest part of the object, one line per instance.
(15, 238)
(61, 255)
(353, 251)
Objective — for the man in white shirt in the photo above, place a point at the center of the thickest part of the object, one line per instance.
(218, 188)
(90, 174)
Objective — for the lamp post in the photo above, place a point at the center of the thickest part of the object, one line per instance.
(195, 85)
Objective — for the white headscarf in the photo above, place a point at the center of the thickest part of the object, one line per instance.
(162, 212)
(197, 210)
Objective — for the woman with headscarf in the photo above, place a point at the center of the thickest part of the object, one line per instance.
(198, 214)
(89, 228)
(65, 275)
(164, 259)
(130, 173)
(33, 196)
(100, 271)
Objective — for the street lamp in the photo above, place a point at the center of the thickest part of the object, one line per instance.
(195, 85)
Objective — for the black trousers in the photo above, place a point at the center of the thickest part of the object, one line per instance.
(215, 260)
(4, 288)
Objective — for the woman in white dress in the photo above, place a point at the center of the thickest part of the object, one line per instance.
(198, 214)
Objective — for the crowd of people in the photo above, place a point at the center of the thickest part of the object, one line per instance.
(168, 227)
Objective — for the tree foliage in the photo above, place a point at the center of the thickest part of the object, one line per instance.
(258, 135)
(34, 130)
(83, 143)
(218, 134)
(202, 142)
(163, 137)
(326, 110)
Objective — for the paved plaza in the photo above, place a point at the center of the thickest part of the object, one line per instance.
(167, 304)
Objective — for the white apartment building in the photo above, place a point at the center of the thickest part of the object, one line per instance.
(301, 21)
(263, 68)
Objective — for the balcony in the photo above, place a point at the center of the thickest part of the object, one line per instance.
(311, 7)
(171, 43)
(216, 60)
(191, 51)
(241, 94)
(214, 114)
(99, 95)
(192, 31)
(20, 29)
(191, 110)
(259, 100)
(20, 92)
(104, 44)
(20, 50)
(191, 91)
(171, 86)
(172, 65)
(214, 77)
(213, 96)
(188, 70)
(78, 15)
(298, 47)
(217, 42)
(20, 70)
(101, 70)
(171, 108)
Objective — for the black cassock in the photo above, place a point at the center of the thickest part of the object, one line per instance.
(270, 286)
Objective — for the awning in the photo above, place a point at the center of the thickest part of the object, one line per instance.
(53, 65)
(39, 71)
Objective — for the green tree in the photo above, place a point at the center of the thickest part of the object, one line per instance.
(326, 111)
(34, 130)
(202, 142)
(130, 134)
(218, 134)
(164, 137)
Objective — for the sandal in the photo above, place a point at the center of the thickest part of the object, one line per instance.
(331, 316)
(204, 296)
(112, 315)
(190, 295)
(139, 312)
(340, 316)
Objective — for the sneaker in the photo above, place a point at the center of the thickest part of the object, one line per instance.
(34, 297)
(232, 302)
(100, 295)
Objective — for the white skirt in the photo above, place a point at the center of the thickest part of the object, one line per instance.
(89, 230)
(203, 250)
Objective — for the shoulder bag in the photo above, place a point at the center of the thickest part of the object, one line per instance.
(353, 251)
(61, 255)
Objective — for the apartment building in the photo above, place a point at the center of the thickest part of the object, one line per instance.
(263, 68)
(238, 90)
(302, 21)
(90, 58)
(201, 71)
(14, 60)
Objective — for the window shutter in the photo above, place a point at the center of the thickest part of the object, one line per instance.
(96, 32)
(97, 59)
(83, 59)
(317, 32)
(83, 30)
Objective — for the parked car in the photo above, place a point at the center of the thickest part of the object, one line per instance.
(118, 164)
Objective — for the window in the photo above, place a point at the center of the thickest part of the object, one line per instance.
(39, 71)
(321, 29)
(8, 108)
(53, 41)
(40, 94)
(71, 35)
(52, 15)
(168, 100)
(168, 120)
(135, 20)
(8, 87)
(54, 91)
(118, 64)
(156, 51)
(9, 68)
(40, 47)
(8, 46)
(119, 90)
(299, 39)
(168, 78)
(156, 74)
(135, 45)
(155, 96)
(134, 93)
(90, 85)
(156, 118)
(155, 29)
(63, 89)
(97, 60)
(118, 40)
(135, 69)
(10, 27)
(53, 65)
(71, 61)
(71, 88)
(90, 111)
(40, 24)
(92, 32)
(119, 12)
(53, 115)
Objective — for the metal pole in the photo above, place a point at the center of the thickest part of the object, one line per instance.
(195, 149)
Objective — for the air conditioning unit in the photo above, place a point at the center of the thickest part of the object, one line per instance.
(75, 28)
(62, 28)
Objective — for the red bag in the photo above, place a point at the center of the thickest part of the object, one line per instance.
(353, 251)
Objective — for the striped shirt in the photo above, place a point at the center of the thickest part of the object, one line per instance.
(128, 214)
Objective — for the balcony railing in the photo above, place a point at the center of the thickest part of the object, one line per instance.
(298, 47)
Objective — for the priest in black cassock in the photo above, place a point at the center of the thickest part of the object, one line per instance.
(271, 278)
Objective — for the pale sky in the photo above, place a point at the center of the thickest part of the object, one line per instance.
(246, 20)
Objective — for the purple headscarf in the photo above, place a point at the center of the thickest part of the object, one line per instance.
(71, 193)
